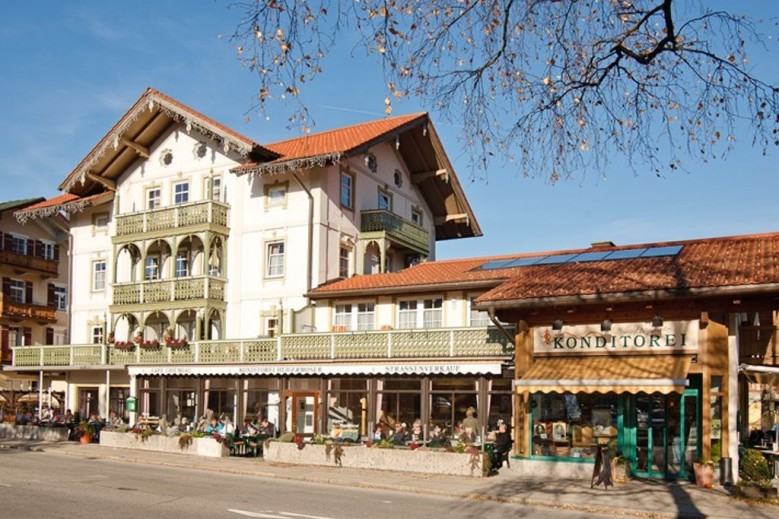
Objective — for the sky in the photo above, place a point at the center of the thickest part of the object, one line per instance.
(71, 69)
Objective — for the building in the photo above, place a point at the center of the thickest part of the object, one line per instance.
(34, 297)
(193, 249)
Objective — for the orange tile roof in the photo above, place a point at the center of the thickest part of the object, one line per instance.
(336, 141)
(51, 202)
(704, 263)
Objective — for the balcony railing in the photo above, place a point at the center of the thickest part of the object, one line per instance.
(13, 310)
(178, 289)
(395, 344)
(27, 262)
(168, 218)
(396, 229)
(758, 345)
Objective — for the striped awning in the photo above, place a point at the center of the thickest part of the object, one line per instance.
(599, 374)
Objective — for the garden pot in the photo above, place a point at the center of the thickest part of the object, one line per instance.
(704, 475)
(85, 439)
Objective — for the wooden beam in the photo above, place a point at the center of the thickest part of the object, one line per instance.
(109, 184)
(141, 150)
(421, 176)
(440, 220)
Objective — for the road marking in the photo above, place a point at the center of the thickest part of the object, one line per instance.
(4, 485)
(290, 514)
(254, 514)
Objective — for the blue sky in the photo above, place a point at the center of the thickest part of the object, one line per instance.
(71, 69)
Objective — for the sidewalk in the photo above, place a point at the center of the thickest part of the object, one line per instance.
(644, 498)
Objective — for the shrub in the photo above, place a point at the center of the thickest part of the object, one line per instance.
(287, 437)
(753, 466)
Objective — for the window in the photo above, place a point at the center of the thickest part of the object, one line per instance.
(275, 260)
(433, 316)
(385, 201)
(152, 268)
(47, 251)
(407, 314)
(182, 265)
(98, 275)
(477, 317)
(17, 291)
(365, 316)
(181, 193)
(100, 221)
(16, 336)
(415, 314)
(97, 335)
(214, 187)
(343, 263)
(343, 318)
(275, 195)
(18, 244)
(347, 190)
(416, 217)
(60, 297)
(153, 198)
(271, 327)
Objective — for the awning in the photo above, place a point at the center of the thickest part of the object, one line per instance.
(599, 374)
(454, 367)
(761, 374)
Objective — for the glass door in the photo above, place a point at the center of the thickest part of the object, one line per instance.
(302, 412)
(661, 433)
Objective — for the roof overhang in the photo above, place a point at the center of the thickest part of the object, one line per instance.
(318, 293)
(132, 136)
(67, 203)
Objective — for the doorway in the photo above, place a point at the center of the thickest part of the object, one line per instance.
(662, 434)
(302, 412)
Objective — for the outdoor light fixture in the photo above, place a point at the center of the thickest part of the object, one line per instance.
(557, 325)
(605, 326)
(657, 321)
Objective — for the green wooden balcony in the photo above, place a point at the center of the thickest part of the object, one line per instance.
(387, 344)
(168, 290)
(162, 222)
(386, 224)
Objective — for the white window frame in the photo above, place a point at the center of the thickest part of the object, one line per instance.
(61, 297)
(18, 243)
(213, 187)
(276, 195)
(18, 291)
(153, 198)
(344, 262)
(384, 201)
(274, 259)
(271, 326)
(433, 313)
(180, 192)
(99, 275)
(151, 268)
(342, 317)
(407, 314)
(421, 313)
(182, 264)
(417, 217)
(48, 249)
(366, 316)
(16, 336)
(346, 192)
(477, 318)
(97, 335)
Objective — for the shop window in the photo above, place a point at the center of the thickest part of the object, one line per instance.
(572, 425)
(717, 394)
(449, 400)
(347, 401)
(398, 401)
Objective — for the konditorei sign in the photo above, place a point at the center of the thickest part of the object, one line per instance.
(673, 336)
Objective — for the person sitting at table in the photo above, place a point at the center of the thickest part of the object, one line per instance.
(267, 428)
(379, 434)
(335, 431)
(416, 431)
(468, 436)
(502, 446)
(400, 434)
(213, 426)
(249, 429)
(438, 437)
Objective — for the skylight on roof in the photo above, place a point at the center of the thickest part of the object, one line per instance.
(585, 257)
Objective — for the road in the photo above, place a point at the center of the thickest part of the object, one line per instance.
(35, 485)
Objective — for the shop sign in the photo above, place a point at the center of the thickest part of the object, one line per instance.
(672, 336)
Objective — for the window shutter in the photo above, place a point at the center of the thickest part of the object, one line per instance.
(2, 240)
(27, 336)
(31, 247)
(5, 348)
(50, 298)
(56, 253)
(28, 292)
(38, 249)
(7, 287)
(49, 335)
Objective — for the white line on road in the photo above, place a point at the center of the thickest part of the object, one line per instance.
(255, 514)
(290, 514)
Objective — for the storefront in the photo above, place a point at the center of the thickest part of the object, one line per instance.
(653, 393)
(309, 399)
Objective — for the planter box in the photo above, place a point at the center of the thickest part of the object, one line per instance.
(704, 475)
(397, 459)
(33, 432)
(206, 446)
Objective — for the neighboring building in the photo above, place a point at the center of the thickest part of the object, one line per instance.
(34, 297)
(185, 231)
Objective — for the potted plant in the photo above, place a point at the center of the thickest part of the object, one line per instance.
(84, 432)
(755, 476)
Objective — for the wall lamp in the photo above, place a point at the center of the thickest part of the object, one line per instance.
(605, 326)
(657, 321)
(557, 325)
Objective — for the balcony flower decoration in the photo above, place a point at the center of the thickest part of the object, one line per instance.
(153, 344)
(171, 341)
(124, 345)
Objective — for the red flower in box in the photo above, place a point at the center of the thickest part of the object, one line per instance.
(124, 345)
(176, 343)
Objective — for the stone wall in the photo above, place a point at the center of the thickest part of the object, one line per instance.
(33, 432)
(397, 459)
(205, 446)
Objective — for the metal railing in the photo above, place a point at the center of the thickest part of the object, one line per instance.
(385, 344)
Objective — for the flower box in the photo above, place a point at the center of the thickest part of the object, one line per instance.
(124, 345)
(149, 345)
(176, 343)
